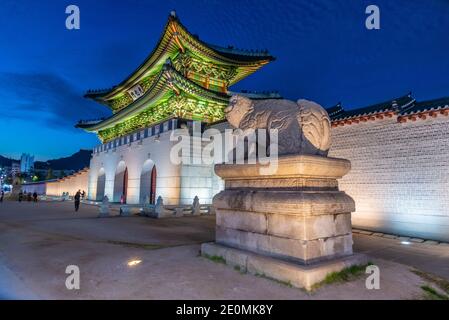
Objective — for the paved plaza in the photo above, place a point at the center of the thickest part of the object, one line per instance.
(39, 240)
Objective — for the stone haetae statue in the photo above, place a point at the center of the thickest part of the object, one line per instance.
(304, 126)
(295, 213)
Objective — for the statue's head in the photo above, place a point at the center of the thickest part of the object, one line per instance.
(311, 109)
(239, 106)
(316, 126)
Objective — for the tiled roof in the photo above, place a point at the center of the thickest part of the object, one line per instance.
(175, 34)
(337, 112)
(162, 87)
(241, 54)
(428, 105)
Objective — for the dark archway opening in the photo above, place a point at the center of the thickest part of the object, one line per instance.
(153, 186)
(101, 182)
(125, 186)
(121, 183)
(148, 183)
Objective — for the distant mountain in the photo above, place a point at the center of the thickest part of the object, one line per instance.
(5, 162)
(76, 161)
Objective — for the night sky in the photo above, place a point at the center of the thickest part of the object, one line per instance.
(323, 50)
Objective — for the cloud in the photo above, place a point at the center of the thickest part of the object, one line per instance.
(45, 97)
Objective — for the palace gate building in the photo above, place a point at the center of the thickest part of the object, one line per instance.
(183, 79)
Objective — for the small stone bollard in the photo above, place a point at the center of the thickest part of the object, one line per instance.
(147, 208)
(196, 211)
(179, 212)
(211, 210)
(125, 211)
(159, 210)
(104, 208)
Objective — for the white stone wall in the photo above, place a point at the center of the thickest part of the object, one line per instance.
(135, 155)
(400, 175)
(198, 178)
(38, 187)
(176, 183)
(70, 184)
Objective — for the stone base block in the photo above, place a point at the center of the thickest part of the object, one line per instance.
(160, 213)
(300, 276)
(145, 211)
(104, 211)
(293, 226)
(286, 248)
(125, 211)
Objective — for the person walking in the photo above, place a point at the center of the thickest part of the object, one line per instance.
(2, 194)
(20, 196)
(77, 200)
(34, 196)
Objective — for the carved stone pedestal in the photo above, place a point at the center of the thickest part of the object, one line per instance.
(293, 225)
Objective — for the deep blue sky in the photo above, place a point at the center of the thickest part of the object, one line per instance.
(324, 53)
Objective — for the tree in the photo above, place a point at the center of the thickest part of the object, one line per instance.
(50, 174)
(9, 179)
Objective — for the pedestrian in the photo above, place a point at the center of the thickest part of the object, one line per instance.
(77, 200)
(83, 195)
(1, 196)
(20, 196)
(29, 196)
(34, 196)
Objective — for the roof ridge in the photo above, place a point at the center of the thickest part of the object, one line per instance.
(396, 104)
(220, 49)
(427, 105)
(393, 100)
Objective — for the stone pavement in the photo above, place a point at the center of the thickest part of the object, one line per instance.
(38, 241)
(432, 258)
